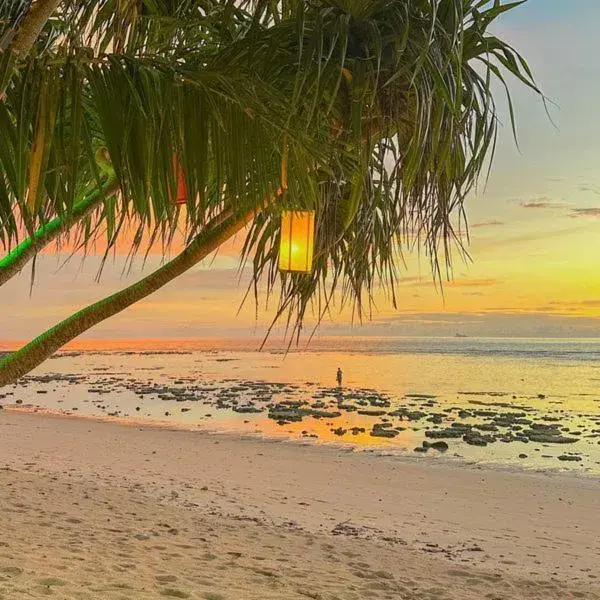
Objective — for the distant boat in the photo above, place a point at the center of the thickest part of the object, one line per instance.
(460, 335)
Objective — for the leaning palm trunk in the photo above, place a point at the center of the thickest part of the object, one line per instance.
(32, 25)
(18, 41)
(19, 363)
(13, 262)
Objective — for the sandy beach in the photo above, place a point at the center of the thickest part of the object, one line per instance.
(101, 510)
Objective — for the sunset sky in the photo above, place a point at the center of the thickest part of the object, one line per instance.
(535, 229)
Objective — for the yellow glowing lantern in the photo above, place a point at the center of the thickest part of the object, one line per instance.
(297, 241)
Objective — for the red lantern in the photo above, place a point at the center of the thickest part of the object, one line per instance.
(181, 197)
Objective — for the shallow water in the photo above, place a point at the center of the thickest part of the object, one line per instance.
(507, 390)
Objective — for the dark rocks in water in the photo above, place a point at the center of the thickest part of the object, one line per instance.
(324, 414)
(569, 458)
(485, 413)
(411, 415)
(440, 446)
(450, 432)
(475, 439)
(383, 432)
(18, 401)
(462, 426)
(550, 437)
(522, 455)
(399, 412)
(246, 409)
(137, 408)
(372, 413)
(287, 414)
(357, 430)
(486, 427)
(541, 396)
(435, 419)
(544, 427)
(508, 420)
(379, 402)
(415, 415)
(339, 431)
(346, 407)
(421, 449)
(184, 410)
(508, 438)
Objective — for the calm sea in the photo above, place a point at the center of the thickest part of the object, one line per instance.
(416, 387)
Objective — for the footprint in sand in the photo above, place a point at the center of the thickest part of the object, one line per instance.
(50, 582)
(174, 593)
(212, 596)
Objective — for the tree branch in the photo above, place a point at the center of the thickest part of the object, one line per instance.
(31, 26)
(14, 261)
(218, 231)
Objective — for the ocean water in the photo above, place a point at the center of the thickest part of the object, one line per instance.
(531, 403)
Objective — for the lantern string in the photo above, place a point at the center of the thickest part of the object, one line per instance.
(284, 163)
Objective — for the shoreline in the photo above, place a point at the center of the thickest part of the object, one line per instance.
(501, 531)
(403, 455)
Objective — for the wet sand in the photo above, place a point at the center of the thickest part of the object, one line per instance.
(101, 510)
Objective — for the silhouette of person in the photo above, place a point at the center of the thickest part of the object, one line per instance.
(339, 377)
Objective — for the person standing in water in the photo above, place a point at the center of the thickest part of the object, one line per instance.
(339, 377)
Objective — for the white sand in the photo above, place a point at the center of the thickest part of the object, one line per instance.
(97, 510)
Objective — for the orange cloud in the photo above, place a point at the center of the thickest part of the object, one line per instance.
(491, 223)
(584, 212)
(472, 282)
(543, 203)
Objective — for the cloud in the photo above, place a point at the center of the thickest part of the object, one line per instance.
(420, 282)
(472, 283)
(500, 323)
(579, 303)
(543, 203)
(584, 212)
(589, 188)
(491, 223)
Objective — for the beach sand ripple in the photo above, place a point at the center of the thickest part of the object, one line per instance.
(95, 510)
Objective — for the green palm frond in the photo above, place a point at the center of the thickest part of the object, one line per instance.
(383, 107)
(420, 120)
(145, 104)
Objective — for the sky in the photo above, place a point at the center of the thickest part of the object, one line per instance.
(534, 267)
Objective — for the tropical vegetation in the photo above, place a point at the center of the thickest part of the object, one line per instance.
(379, 115)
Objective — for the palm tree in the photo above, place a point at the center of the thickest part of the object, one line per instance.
(65, 152)
(390, 121)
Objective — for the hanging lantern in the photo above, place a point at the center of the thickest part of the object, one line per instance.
(181, 196)
(297, 241)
